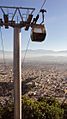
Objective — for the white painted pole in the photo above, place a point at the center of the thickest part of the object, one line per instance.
(17, 73)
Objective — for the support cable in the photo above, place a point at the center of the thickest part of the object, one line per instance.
(42, 11)
(3, 51)
(26, 51)
(29, 38)
(42, 6)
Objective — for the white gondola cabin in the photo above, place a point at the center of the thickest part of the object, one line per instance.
(38, 33)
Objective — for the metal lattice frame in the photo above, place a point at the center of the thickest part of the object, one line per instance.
(12, 21)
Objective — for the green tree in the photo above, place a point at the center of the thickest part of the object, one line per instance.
(41, 109)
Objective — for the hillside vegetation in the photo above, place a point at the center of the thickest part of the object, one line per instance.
(36, 109)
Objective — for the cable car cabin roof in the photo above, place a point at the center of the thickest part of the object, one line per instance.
(38, 33)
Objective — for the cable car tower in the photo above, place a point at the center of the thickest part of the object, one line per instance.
(21, 17)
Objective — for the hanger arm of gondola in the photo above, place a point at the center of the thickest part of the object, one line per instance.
(43, 11)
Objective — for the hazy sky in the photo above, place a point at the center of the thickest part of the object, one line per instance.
(55, 20)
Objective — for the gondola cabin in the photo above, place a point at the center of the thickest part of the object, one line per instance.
(38, 33)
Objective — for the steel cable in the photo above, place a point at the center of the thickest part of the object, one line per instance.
(25, 52)
(3, 51)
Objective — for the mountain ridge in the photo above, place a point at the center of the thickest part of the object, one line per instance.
(35, 53)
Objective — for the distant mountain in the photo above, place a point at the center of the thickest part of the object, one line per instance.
(39, 54)
(8, 55)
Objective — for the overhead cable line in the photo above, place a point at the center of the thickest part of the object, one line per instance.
(35, 20)
(43, 4)
(26, 51)
(41, 10)
(3, 52)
